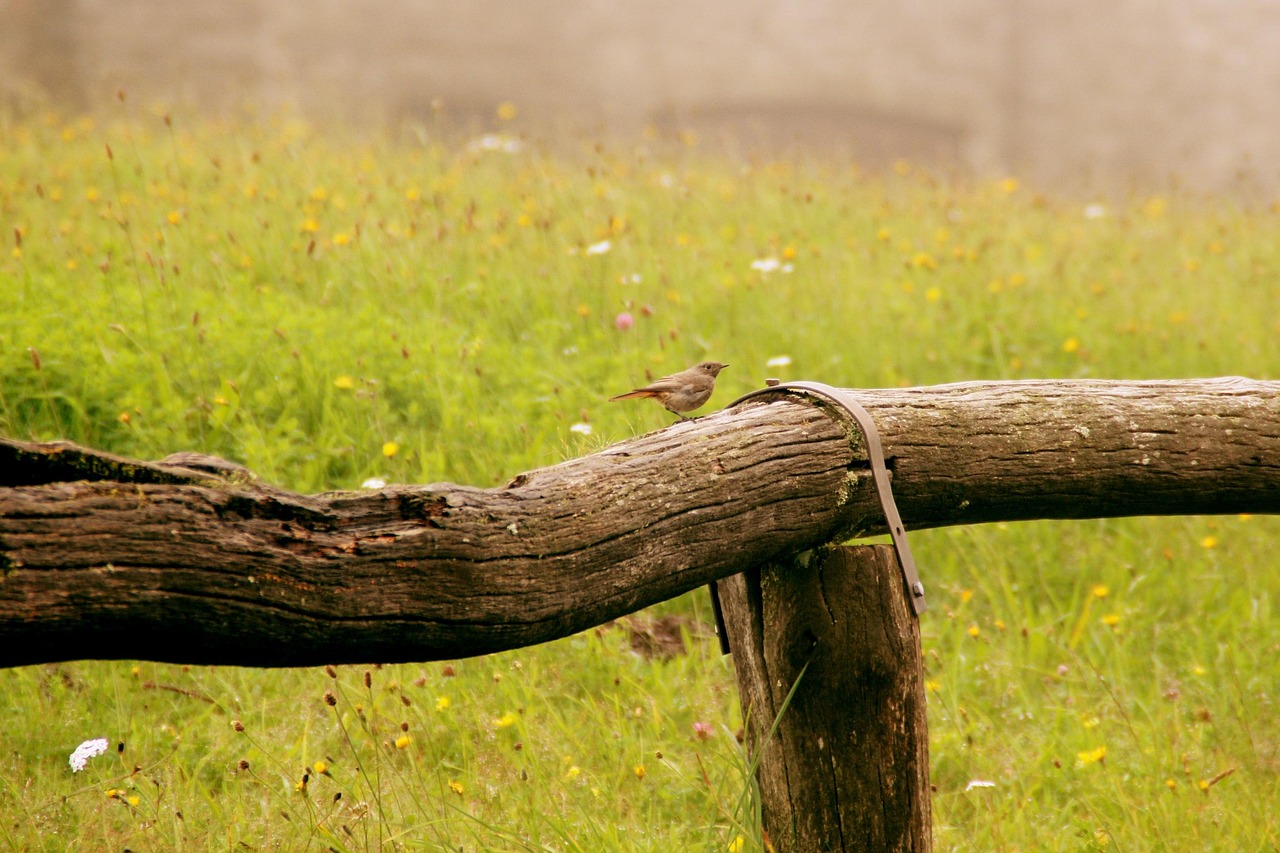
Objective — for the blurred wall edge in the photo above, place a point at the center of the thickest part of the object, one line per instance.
(1086, 95)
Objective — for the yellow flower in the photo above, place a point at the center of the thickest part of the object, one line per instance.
(390, 449)
(884, 235)
(1209, 542)
(506, 720)
(455, 786)
(442, 703)
(584, 311)
(1092, 756)
(403, 742)
(1071, 345)
(736, 845)
(320, 768)
(174, 217)
(342, 238)
(573, 772)
(310, 225)
(133, 801)
(966, 595)
(933, 685)
(1111, 620)
(933, 294)
(789, 253)
(924, 261)
(1100, 590)
(1171, 783)
(973, 631)
(346, 383)
(1009, 185)
(639, 770)
(507, 110)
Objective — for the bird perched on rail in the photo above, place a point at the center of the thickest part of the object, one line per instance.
(680, 392)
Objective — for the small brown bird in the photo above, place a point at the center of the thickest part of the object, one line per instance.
(680, 392)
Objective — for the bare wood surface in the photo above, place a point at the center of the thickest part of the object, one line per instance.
(102, 557)
(827, 655)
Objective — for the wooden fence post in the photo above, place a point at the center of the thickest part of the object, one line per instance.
(847, 765)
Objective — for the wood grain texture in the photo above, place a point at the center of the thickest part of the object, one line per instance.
(103, 557)
(827, 655)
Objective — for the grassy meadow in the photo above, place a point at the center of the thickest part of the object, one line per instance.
(326, 306)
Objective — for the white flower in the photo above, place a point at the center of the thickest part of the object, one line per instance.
(599, 248)
(979, 783)
(581, 428)
(768, 265)
(1095, 211)
(374, 483)
(778, 361)
(503, 142)
(85, 751)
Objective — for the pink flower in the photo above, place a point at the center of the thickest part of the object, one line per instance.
(701, 730)
(623, 321)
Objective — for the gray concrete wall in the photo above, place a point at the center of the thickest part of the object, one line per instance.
(1086, 94)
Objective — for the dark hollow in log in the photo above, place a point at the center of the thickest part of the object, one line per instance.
(192, 562)
(845, 765)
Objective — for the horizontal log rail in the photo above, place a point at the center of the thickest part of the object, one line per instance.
(187, 561)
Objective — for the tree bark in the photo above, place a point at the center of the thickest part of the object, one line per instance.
(844, 756)
(103, 557)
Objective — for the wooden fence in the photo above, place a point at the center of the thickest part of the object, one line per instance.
(215, 567)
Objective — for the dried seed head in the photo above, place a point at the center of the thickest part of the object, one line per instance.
(330, 671)
(330, 699)
(237, 725)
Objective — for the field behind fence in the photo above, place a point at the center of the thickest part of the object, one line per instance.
(327, 306)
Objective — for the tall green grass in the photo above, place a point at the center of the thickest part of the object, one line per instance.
(325, 307)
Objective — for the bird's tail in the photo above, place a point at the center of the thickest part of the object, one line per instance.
(631, 395)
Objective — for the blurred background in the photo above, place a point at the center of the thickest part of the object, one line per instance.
(1093, 95)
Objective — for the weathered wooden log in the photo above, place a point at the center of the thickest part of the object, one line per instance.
(102, 557)
(827, 654)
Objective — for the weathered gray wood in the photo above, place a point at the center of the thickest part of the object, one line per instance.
(108, 558)
(845, 765)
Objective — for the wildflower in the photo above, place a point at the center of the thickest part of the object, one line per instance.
(573, 772)
(1009, 185)
(403, 742)
(979, 783)
(973, 631)
(966, 595)
(701, 730)
(442, 703)
(1209, 542)
(584, 310)
(237, 725)
(506, 720)
(600, 248)
(778, 361)
(933, 685)
(623, 321)
(1092, 756)
(89, 749)
(766, 265)
(342, 238)
(374, 483)
(1111, 620)
(174, 217)
(320, 768)
(639, 770)
(390, 449)
(581, 428)
(1100, 591)
(455, 786)
(507, 110)
(1071, 345)
(346, 383)
(736, 845)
